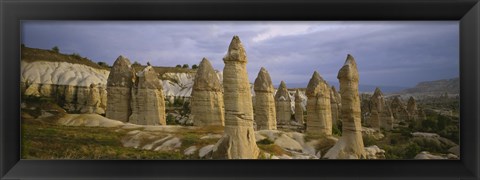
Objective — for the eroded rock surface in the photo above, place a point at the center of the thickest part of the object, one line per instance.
(283, 104)
(207, 97)
(265, 113)
(319, 115)
(238, 141)
(350, 145)
(148, 104)
(119, 84)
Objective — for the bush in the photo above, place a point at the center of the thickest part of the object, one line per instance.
(185, 66)
(337, 130)
(136, 63)
(265, 141)
(103, 64)
(412, 150)
(369, 141)
(178, 66)
(56, 49)
(76, 55)
(170, 119)
(194, 66)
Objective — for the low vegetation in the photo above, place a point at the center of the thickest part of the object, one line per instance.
(54, 55)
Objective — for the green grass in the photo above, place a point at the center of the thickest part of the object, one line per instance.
(49, 141)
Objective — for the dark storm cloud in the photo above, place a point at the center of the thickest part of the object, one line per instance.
(387, 53)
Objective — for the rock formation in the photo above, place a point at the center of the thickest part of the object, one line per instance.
(335, 105)
(412, 109)
(319, 115)
(148, 104)
(238, 141)
(119, 85)
(207, 97)
(399, 110)
(283, 104)
(298, 108)
(265, 114)
(93, 101)
(350, 145)
(380, 114)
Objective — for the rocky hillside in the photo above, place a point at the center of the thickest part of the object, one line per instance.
(450, 86)
(45, 73)
(78, 84)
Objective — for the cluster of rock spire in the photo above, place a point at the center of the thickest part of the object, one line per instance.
(134, 97)
(138, 98)
(380, 114)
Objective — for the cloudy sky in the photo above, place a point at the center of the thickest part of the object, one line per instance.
(394, 53)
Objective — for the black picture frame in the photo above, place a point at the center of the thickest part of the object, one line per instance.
(12, 12)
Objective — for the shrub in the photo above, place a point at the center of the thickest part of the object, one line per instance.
(185, 66)
(265, 141)
(194, 66)
(56, 49)
(103, 64)
(369, 141)
(170, 119)
(137, 63)
(337, 130)
(178, 66)
(412, 150)
(76, 55)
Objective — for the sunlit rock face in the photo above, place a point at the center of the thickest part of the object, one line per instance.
(265, 113)
(66, 83)
(119, 86)
(148, 104)
(319, 115)
(350, 145)
(207, 97)
(238, 141)
(93, 101)
(283, 104)
(380, 114)
(298, 108)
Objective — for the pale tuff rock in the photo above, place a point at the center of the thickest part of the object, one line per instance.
(265, 113)
(283, 104)
(238, 141)
(350, 145)
(119, 83)
(207, 97)
(319, 115)
(380, 114)
(335, 105)
(93, 101)
(399, 110)
(148, 104)
(298, 108)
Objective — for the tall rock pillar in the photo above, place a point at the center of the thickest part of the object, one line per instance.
(265, 114)
(350, 145)
(412, 109)
(207, 97)
(380, 114)
(319, 111)
(238, 141)
(283, 104)
(119, 85)
(298, 108)
(148, 104)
